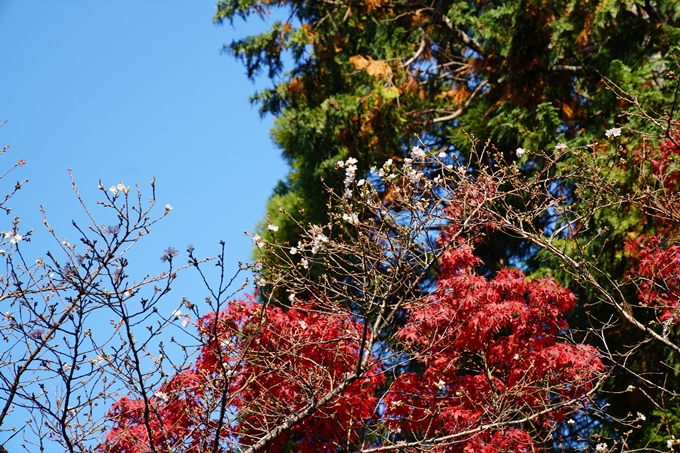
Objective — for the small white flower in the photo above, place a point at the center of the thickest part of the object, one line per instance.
(340, 164)
(16, 238)
(168, 207)
(122, 187)
(351, 161)
(560, 146)
(413, 175)
(417, 152)
(388, 163)
(304, 263)
(440, 384)
(669, 443)
(97, 360)
(630, 388)
(571, 422)
(113, 190)
(2, 251)
(293, 251)
(186, 321)
(161, 396)
(273, 228)
(462, 170)
(361, 182)
(303, 324)
(641, 416)
(441, 155)
(613, 132)
(291, 297)
(177, 314)
(516, 357)
(601, 447)
(258, 240)
(352, 218)
(519, 152)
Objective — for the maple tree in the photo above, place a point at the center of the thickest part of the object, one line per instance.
(657, 275)
(262, 363)
(269, 365)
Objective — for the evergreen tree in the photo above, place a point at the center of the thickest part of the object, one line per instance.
(368, 75)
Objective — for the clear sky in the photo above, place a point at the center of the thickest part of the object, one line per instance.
(127, 91)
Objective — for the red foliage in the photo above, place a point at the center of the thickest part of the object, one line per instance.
(293, 355)
(267, 366)
(665, 163)
(176, 417)
(486, 350)
(657, 275)
(491, 350)
(464, 215)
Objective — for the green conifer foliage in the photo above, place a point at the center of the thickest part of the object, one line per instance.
(367, 76)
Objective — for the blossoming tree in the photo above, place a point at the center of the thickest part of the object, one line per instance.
(59, 364)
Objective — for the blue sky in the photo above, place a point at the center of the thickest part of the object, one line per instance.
(127, 91)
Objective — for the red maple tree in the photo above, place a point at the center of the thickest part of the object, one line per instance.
(264, 364)
(657, 275)
(491, 355)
